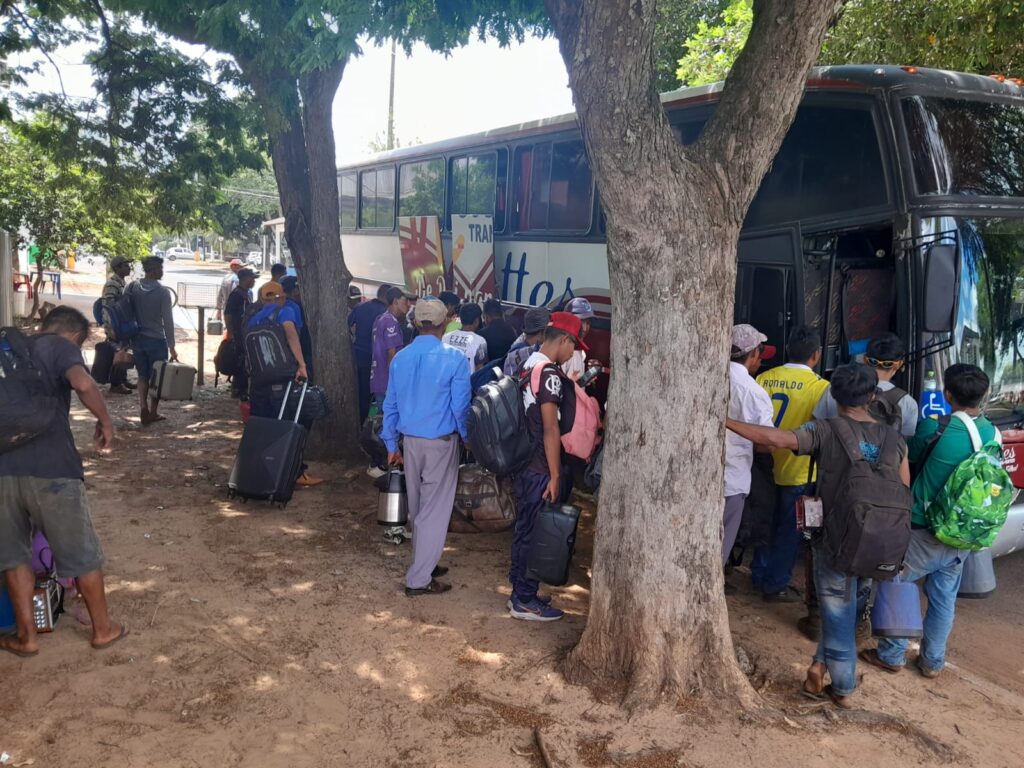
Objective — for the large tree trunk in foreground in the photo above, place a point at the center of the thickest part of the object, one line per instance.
(658, 620)
(302, 150)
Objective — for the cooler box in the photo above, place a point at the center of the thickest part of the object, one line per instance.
(173, 381)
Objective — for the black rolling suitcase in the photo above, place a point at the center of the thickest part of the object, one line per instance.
(103, 362)
(269, 457)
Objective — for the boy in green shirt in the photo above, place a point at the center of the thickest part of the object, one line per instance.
(927, 558)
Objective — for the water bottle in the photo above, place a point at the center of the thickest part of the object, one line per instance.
(931, 382)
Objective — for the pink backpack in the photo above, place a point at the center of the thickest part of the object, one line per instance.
(580, 417)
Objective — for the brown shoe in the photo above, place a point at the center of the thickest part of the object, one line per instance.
(870, 656)
(307, 481)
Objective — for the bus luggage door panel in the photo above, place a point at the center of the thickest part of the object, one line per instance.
(766, 285)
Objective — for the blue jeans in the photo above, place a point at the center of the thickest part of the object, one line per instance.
(838, 603)
(941, 568)
(772, 566)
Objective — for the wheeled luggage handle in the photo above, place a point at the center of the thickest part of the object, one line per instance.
(288, 396)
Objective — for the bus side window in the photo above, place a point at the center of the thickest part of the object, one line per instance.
(477, 186)
(347, 188)
(552, 188)
(421, 190)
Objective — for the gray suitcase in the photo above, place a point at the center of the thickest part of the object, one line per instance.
(172, 381)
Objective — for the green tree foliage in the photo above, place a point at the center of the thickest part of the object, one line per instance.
(715, 45)
(163, 131)
(964, 35)
(678, 21)
(61, 207)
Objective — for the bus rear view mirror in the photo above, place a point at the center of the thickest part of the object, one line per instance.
(941, 288)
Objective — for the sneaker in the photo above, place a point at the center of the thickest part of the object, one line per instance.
(534, 610)
(542, 599)
(119, 389)
(375, 472)
(925, 670)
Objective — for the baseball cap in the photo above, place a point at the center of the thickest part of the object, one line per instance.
(581, 308)
(117, 261)
(746, 337)
(570, 324)
(430, 310)
(354, 292)
(536, 320)
(235, 263)
(270, 290)
(244, 273)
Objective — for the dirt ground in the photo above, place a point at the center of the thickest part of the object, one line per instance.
(275, 637)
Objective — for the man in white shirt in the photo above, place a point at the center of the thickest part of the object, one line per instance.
(748, 401)
(227, 286)
(470, 343)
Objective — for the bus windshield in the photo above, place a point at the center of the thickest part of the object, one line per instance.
(990, 327)
(962, 147)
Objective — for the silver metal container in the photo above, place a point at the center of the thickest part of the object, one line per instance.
(392, 502)
(214, 327)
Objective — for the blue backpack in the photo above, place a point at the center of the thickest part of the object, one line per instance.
(117, 316)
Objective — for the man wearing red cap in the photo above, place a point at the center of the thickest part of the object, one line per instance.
(543, 478)
(749, 402)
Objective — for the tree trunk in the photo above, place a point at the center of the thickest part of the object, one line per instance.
(658, 622)
(302, 151)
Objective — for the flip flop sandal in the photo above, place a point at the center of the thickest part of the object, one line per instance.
(19, 654)
(817, 685)
(124, 633)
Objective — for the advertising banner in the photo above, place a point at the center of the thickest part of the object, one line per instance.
(473, 257)
(419, 238)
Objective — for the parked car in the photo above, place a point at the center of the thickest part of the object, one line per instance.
(254, 259)
(176, 252)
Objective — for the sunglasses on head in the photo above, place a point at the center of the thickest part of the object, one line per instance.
(885, 365)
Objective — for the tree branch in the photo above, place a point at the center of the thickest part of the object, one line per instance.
(740, 141)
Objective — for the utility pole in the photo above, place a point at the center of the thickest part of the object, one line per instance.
(391, 101)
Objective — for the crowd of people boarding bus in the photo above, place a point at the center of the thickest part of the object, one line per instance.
(849, 456)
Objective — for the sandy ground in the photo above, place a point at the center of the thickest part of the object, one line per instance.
(268, 637)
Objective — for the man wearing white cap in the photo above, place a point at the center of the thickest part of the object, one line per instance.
(227, 285)
(748, 401)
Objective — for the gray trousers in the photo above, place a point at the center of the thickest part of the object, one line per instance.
(431, 476)
(731, 522)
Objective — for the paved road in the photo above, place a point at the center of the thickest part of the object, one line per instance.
(83, 287)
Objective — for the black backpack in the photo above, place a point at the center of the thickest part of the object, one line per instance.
(27, 406)
(867, 529)
(886, 407)
(497, 427)
(269, 357)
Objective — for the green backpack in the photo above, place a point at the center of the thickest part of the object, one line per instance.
(971, 508)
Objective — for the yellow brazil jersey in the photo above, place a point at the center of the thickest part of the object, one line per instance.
(794, 390)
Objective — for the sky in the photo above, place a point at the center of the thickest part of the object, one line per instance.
(479, 86)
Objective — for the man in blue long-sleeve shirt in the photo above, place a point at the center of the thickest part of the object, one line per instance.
(427, 402)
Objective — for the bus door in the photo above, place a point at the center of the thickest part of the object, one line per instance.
(766, 285)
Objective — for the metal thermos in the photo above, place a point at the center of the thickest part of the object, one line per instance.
(392, 503)
(979, 577)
